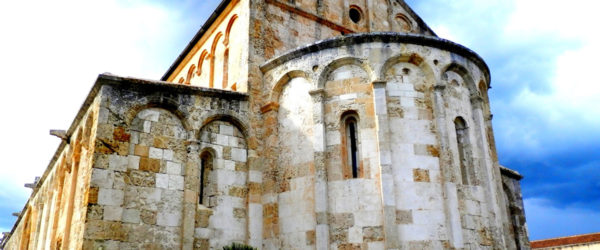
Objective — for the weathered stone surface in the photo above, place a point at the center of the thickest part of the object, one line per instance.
(347, 143)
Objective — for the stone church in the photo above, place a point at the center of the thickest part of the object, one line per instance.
(286, 124)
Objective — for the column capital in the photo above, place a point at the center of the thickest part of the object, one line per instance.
(271, 106)
(439, 87)
(318, 95)
(379, 84)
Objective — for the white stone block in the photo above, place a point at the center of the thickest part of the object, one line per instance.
(131, 216)
(226, 129)
(103, 115)
(222, 140)
(229, 165)
(318, 138)
(135, 138)
(162, 181)
(149, 115)
(348, 96)
(169, 219)
(133, 162)
(101, 178)
(156, 153)
(255, 176)
(333, 138)
(173, 168)
(203, 233)
(238, 154)
(355, 235)
(376, 245)
(322, 235)
(175, 182)
(168, 154)
(147, 126)
(234, 141)
(112, 213)
(117, 162)
(111, 197)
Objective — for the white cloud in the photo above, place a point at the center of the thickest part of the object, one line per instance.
(52, 51)
(546, 221)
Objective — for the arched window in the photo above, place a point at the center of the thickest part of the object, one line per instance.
(206, 162)
(350, 145)
(462, 141)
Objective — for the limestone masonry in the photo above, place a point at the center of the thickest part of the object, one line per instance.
(306, 124)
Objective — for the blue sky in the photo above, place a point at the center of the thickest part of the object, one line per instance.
(542, 54)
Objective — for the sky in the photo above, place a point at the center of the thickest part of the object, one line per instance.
(542, 54)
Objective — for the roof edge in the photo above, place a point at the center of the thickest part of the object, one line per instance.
(383, 37)
(209, 22)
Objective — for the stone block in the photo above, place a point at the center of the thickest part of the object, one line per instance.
(101, 178)
(113, 213)
(169, 219)
(240, 192)
(239, 154)
(226, 129)
(111, 197)
(168, 154)
(162, 181)
(131, 216)
(174, 168)
(118, 163)
(140, 178)
(311, 237)
(119, 134)
(148, 217)
(94, 212)
(133, 162)
(371, 234)
(421, 175)
(105, 230)
(239, 213)
(155, 153)
(141, 150)
(404, 217)
(151, 165)
(175, 182)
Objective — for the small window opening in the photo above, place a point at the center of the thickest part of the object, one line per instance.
(462, 143)
(206, 162)
(351, 145)
(355, 14)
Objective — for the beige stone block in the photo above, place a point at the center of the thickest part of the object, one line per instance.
(151, 165)
(421, 175)
(141, 150)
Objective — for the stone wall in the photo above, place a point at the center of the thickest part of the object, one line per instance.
(414, 189)
(148, 167)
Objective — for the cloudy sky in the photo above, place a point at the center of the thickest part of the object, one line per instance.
(542, 54)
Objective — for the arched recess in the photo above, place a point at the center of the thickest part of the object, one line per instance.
(203, 56)
(190, 74)
(464, 74)
(223, 183)
(159, 102)
(295, 176)
(275, 93)
(216, 59)
(388, 69)
(326, 73)
(512, 214)
(156, 176)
